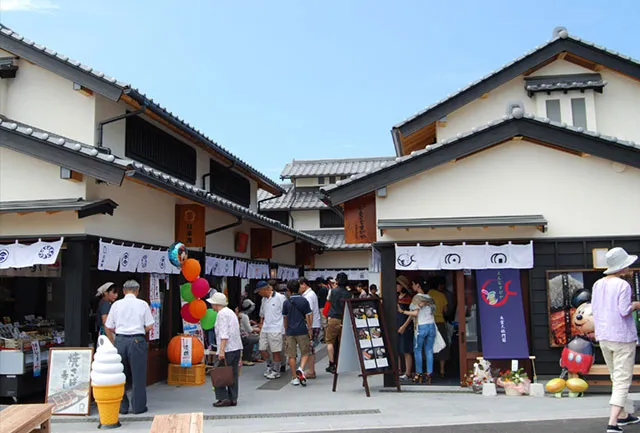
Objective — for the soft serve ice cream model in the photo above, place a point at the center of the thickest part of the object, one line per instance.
(107, 381)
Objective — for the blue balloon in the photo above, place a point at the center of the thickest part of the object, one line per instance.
(177, 254)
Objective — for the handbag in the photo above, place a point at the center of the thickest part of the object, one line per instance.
(439, 344)
(222, 376)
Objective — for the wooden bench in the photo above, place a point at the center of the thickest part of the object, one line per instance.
(178, 423)
(26, 418)
(603, 370)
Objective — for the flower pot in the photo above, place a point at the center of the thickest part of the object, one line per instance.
(511, 391)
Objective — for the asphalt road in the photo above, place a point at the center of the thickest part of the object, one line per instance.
(570, 426)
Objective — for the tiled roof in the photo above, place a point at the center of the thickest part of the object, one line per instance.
(564, 82)
(517, 113)
(560, 33)
(149, 172)
(334, 240)
(59, 141)
(141, 98)
(331, 167)
(293, 199)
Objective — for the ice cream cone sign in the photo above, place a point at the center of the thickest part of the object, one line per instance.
(107, 382)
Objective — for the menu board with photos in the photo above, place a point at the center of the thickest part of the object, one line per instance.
(364, 343)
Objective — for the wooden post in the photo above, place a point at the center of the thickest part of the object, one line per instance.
(389, 302)
(75, 272)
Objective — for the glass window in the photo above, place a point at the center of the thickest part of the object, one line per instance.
(579, 112)
(553, 110)
(332, 180)
(321, 181)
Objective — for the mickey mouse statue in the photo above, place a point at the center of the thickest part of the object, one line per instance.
(578, 355)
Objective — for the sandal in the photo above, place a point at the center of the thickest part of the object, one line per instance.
(417, 378)
(427, 378)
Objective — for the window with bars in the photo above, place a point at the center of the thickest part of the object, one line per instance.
(329, 220)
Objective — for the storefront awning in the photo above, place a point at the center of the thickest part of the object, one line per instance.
(460, 222)
(84, 208)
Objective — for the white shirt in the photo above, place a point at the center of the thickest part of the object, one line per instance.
(312, 298)
(227, 327)
(129, 316)
(271, 310)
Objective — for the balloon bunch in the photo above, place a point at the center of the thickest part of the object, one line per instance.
(195, 310)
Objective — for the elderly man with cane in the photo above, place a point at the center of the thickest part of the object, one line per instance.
(130, 319)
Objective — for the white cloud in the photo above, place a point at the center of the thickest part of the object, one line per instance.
(42, 6)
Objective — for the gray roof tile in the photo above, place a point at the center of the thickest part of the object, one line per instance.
(55, 140)
(141, 98)
(331, 167)
(564, 35)
(334, 240)
(451, 141)
(293, 199)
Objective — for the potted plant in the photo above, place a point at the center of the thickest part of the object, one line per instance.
(514, 382)
(477, 377)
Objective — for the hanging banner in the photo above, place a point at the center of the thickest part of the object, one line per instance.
(185, 352)
(109, 256)
(456, 257)
(240, 269)
(130, 258)
(287, 273)
(155, 305)
(18, 255)
(37, 359)
(352, 274)
(504, 334)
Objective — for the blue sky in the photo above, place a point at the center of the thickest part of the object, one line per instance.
(281, 79)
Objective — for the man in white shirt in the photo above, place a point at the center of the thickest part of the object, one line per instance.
(130, 319)
(316, 325)
(271, 327)
(229, 348)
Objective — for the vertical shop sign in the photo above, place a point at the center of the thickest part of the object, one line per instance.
(155, 304)
(504, 333)
(360, 220)
(185, 352)
(190, 225)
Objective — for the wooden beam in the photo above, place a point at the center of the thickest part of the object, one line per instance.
(562, 55)
(24, 213)
(517, 138)
(484, 96)
(52, 212)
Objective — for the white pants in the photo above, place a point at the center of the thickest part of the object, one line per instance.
(619, 358)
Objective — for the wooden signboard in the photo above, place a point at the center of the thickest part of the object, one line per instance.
(304, 254)
(364, 342)
(190, 225)
(360, 220)
(261, 243)
(69, 380)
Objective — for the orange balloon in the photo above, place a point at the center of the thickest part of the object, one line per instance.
(191, 269)
(197, 308)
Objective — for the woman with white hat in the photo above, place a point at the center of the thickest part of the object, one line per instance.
(616, 332)
(108, 292)
(229, 347)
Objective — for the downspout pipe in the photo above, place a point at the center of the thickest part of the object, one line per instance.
(282, 244)
(115, 119)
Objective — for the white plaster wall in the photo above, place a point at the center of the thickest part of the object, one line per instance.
(519, 178)
(41, 224)
(343, 259)
(143, 214)
(482, 111)
(23, 177)
(286, 254)
(560, 67)
(617, 108)
(45, 100)
(113, 133)
(306, 219)
(309, 181)
(254, 196)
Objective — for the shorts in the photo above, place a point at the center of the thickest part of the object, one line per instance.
(295, 341)
(334, 328)
(270, 341)
(314, 341)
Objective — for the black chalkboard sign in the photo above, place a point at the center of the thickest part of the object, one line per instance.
(364, 342)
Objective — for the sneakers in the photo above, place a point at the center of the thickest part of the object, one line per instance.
(630, 419)
(331, 369)
(302, 379)
(295, 382)
(273, 375)
(404, 377)
(613, 429)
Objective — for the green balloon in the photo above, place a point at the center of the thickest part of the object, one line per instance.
(185, 292)
(209, 319)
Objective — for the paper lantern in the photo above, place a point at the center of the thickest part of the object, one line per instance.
(191, 269)
(186, 293)
(200, 288)
(209, 319)
(197, 308)
(177, 254)
(186, 315)
(174, 349)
